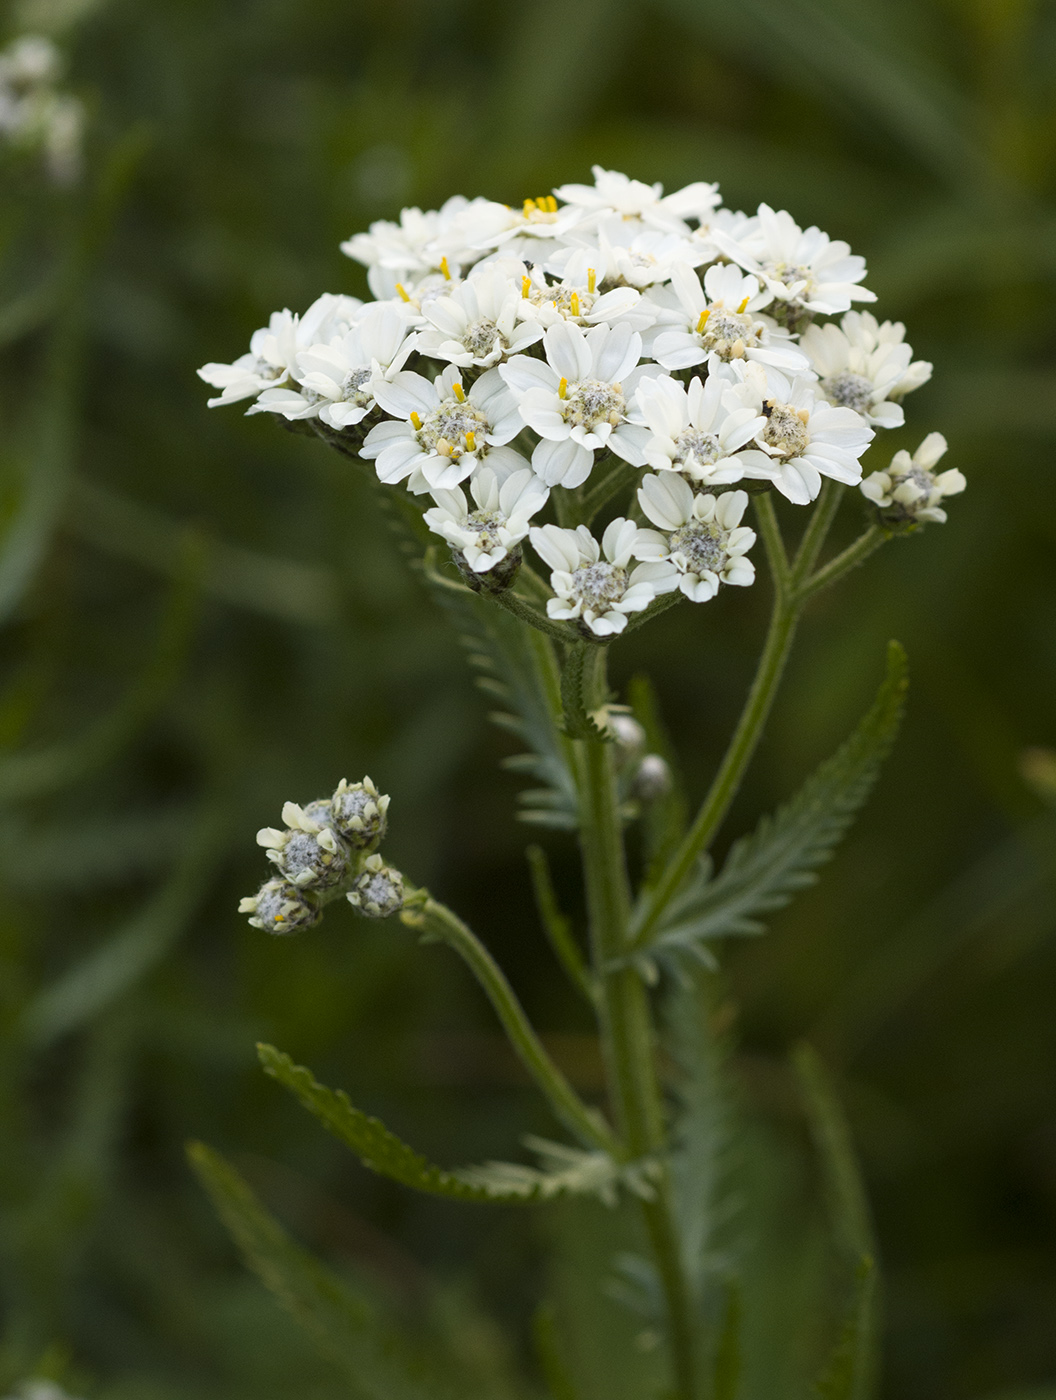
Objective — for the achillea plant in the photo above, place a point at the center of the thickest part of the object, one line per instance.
(577, 406)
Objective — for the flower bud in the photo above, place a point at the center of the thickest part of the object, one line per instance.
(379, 890)
(309, 854)
(358, 813)
(279, 907)
(653, 778)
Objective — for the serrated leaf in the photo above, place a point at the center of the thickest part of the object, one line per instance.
(764, 870)
(569, 1171)
(342, 1324)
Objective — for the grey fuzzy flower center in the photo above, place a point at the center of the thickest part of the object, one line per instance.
(352, 390)
(728, 334)
(598, 586)
(593, 402)
(698, 548)
(696, 448)
(848, 390)
(785, 431)
(482, 338)
(445, 429)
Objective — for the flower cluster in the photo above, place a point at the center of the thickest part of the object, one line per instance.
(34, 114)
(516, 360)
(326, 848)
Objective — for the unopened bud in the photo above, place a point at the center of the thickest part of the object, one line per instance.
(309, 854)
(358, 813)
(379, 890)
(653, 778)
(279, 907)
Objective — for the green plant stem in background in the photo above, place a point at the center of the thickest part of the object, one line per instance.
(857, 553)
(626, 1019)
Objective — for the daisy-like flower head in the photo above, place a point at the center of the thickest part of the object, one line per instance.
(910, 490)
(274, 348)
(702, 538)
(636, 202)
(413, 244)
(803, 438)
(379, 890)
(335, 382)
(595, 584)
(480, 322)
(720, 318)
(577, 398)
(698, 431)
(864, 366)
(490, 534)
(280, 907)
(308, 853)
(498, 225)
(804, 269)
(446, 433)
(359, 813)
(578, 296)
(626, 257)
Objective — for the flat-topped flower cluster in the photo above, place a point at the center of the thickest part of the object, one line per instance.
(513, 353)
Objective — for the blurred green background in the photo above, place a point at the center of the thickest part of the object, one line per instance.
(205, 616)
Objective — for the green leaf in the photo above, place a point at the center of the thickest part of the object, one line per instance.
(728, 1350)
(517, 667)
(847, 1372)
(342, 1324)
(764, 870)
(568, 1170)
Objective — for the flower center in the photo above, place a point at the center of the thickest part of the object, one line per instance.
(483, 337)
(598, 586)
(593, 402)
(573, 303)
(698, 548)
(921, 479)
(352, 390)
(848, 390)
(485, 524)
(453, 428)
(790, 273)
(785, 431)
(729, 334)
(694, 448)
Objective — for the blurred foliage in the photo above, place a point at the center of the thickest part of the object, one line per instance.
(204, 617)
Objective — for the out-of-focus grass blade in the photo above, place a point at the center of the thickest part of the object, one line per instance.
(112, 969)
(88, 853)
(28, 312)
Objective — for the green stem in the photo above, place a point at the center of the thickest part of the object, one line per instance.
(857, 553)
(521, 608)
(556, 926)
(626, 1025)
(817, 531)
(440, 922)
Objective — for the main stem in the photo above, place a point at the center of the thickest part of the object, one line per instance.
(626, 1025)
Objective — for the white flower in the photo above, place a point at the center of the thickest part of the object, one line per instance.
(480, 322)
(485, 536)
(578, 297)
(336, 380)
(496, 225)
(804, 269)
(803, 438)
(413, 244)
(717, 319)
(446, 433)
(622, 257)
(274, 348)
(703, 537)
(910, 490)
(599, 591)
(698, 431)
(577, 399)
(863, 365)
(636, 202)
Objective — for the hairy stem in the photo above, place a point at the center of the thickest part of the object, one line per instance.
(855, 554)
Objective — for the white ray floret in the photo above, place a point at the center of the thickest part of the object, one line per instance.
(504, 509)
(335, 382)
(701, 536)
(627, 258)
(577, 297)
(637, 202)
(480, 322)
(721, 318)
(699, 430)
(864, 365)
(445, 433)
(595, 583)
(804, 269)
(803, 437)
(577, 399)
(910, 489)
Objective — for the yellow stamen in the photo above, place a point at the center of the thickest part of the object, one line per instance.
(744, 303)
(416, 423)
(529, 205)
(562, 389)
(459, 392)
(402, 291)
(540, 203)
(551, 203)
(573, 303)
(445, 269)
(592, 279)
(471, 442)
(803, 415)
(526, 286)
(703, 320)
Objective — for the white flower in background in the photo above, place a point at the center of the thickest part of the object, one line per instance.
(698, 431)
(446, 433)
(412, 244)
(864, 365)
(335, 381)
(480, 323)
(487, 535)
(33, 114)
(910, 489)
(578, 297)
(803, 437)
(594, 583)
(725, 223)
(804, 269)
(719, 319)
(639, 203)
(499, 225)
(274, 348)
(627, 259)
(577, 398)
(702, 535)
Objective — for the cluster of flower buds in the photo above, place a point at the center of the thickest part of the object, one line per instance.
(643, 776)
(34, 114)
(327, 848)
